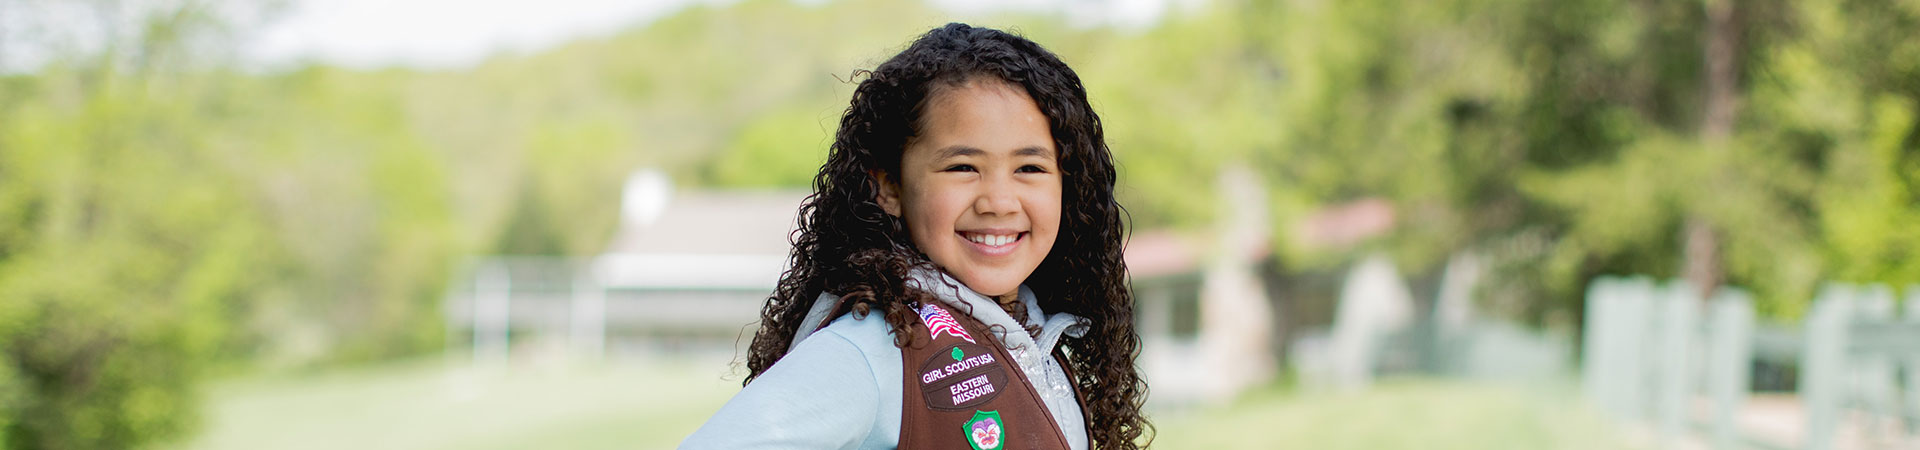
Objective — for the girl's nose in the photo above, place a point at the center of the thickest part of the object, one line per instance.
(996, 199)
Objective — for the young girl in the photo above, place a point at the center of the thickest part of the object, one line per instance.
(956, 281)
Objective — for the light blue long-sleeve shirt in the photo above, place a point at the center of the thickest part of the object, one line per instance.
(840, 387)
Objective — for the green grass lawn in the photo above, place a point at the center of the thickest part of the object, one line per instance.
(1398, 414)
(435, 405)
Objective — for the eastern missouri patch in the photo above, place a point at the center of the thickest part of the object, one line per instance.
(961, 377)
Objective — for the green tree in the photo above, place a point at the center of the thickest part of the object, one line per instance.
(1574, 138)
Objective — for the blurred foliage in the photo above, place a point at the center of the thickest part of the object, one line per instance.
(165, 217)
(782, 149)
(1563, 138)
(161, 221)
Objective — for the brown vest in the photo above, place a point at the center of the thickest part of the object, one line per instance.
(962, 391)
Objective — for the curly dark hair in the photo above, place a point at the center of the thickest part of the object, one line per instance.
(848, 245)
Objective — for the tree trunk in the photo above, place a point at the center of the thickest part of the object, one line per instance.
(1722, 42)
(1702, 255)
(1700, 238)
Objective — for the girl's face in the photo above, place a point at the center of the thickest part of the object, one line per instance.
(979, 188)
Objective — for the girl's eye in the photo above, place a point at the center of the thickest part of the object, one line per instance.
(1030, 168)
(959, 168)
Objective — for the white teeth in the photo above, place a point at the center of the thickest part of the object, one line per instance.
(994, 241)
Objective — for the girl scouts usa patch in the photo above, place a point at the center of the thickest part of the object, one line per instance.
(984, 432)
(963, 377)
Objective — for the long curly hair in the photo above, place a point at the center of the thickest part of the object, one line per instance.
(847, 245)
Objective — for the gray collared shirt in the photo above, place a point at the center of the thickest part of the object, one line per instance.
(840, 387)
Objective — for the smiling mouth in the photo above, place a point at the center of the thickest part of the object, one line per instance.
(993, 240)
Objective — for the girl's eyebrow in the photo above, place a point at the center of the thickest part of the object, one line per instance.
(1033, 151)
(956, 151)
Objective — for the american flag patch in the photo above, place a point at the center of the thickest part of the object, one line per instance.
(938, 321)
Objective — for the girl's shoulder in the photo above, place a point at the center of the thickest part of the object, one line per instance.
(869, 333)
(837, 387)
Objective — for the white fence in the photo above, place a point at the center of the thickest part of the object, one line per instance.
(1657, 354)
(592, 306)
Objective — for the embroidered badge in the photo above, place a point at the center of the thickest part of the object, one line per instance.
(938, 321)
(968, 377)
(984, 431)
